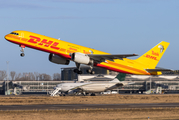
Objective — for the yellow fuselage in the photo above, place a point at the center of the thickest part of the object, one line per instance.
(64, 49)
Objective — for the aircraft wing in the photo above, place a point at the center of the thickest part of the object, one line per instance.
(102, 57)
(79, 87)
(76, 89)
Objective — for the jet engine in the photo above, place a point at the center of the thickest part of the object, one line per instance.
(81, 58)
(58, 60)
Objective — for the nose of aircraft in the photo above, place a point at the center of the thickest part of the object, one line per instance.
(6, 36)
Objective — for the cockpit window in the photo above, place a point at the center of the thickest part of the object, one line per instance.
(14, 33)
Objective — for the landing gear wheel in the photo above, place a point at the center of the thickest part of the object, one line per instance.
(93, 94)
(92, 72)
(88, 71)
(22, 54)
(77, 71)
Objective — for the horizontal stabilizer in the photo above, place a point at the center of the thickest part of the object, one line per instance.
(160, 70)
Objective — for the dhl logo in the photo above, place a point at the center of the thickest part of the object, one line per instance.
(51, 44)
(44, 42)
(151, 57)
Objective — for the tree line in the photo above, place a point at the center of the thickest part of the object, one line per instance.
(28, 76)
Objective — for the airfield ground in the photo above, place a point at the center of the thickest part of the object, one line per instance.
(119, 114)
(106, 99)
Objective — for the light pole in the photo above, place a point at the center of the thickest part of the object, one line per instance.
(7, 62)
(150, 84)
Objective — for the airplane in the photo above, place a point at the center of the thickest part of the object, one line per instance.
(91, 87)
(62, 52)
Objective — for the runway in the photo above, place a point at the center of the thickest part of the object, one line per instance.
(85, 106)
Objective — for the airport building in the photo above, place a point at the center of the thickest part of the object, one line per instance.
(28, 87)
(142, 84)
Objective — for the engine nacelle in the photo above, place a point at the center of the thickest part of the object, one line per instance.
(58, 60)
(81, 58)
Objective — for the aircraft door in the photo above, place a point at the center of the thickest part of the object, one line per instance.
(22, 35)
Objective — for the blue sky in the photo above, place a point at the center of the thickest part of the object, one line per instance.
(113, 26)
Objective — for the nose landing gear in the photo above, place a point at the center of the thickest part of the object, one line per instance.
(22, 54)
(22, 50)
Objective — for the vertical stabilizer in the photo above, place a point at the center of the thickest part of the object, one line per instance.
(153, 56)
(120, 77)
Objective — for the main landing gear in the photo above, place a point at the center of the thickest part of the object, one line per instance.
(78, 68)
(22, 50)
(90, 71)
(78, 71)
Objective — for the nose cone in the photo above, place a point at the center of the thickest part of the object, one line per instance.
(6, 36)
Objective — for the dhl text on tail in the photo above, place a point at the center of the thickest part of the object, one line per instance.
(62, 52)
